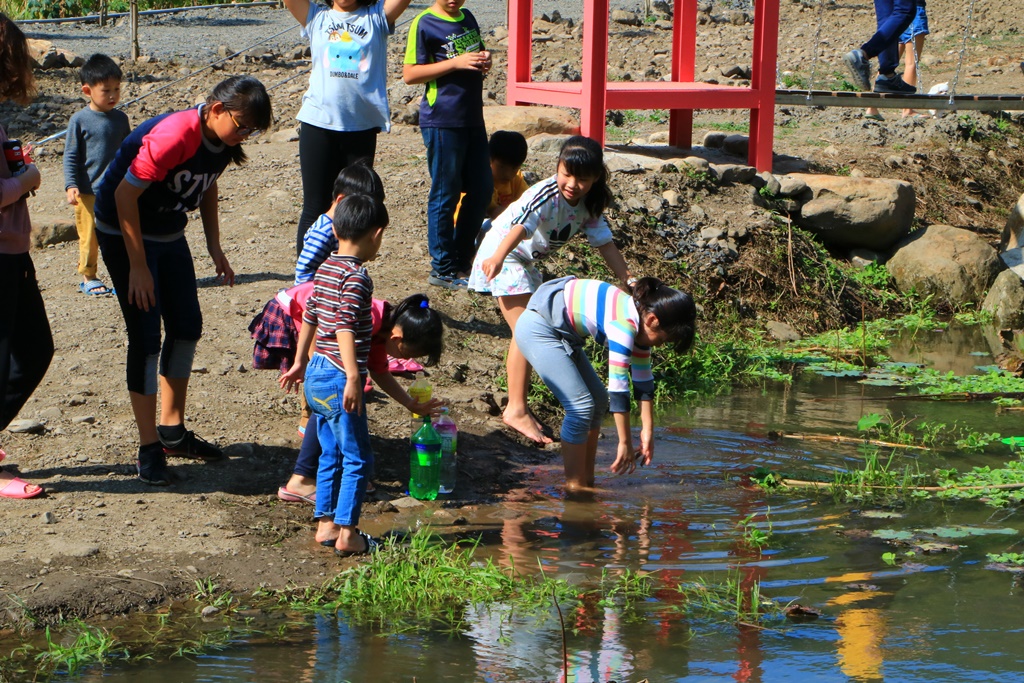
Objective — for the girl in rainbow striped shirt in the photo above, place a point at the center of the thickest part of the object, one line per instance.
(551, 332)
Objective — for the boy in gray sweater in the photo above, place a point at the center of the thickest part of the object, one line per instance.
(94, 136)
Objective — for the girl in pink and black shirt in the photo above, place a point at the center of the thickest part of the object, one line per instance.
(166, 168)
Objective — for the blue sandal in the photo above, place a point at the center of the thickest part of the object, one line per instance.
(94, 288)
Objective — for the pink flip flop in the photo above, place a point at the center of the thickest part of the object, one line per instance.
(18, 488)
(396, 365)
(291, 497)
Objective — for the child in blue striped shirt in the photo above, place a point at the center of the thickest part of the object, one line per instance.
(319, 241)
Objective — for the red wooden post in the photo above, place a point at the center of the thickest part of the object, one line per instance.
(762, 81)
(595, 69)
(520, 47)
(684, 57)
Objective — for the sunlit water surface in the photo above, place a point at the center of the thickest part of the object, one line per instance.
(937, 618)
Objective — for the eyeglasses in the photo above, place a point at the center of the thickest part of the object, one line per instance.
(243, 131)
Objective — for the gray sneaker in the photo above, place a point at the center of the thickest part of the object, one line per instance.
(860, 68)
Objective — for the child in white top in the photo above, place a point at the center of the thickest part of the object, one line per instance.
(539, 222)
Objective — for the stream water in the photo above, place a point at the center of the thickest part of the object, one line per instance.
(941, 617)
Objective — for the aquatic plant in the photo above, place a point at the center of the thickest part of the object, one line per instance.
(756, 535)
(735, 600)
(82, 646)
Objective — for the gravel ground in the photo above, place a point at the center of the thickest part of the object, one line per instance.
(162, 36)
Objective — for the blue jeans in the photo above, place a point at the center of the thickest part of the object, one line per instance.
(567, 371)
(893, 17)
(459, 161)
(347, 458)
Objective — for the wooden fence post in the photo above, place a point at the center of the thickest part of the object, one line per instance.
(134, 9)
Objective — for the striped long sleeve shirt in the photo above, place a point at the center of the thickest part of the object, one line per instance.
(606, 313)
(341, 302)
(317, 244)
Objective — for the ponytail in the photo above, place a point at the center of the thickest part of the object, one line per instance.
(675, 310)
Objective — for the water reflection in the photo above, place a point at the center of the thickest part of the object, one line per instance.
(941, 618)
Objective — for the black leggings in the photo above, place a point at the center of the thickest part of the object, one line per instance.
(26, 344)
(322, 155)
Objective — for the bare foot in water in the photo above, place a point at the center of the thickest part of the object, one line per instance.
(527, 425)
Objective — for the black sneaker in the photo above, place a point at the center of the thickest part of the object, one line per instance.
(152, 466)
(192, 446)
(860, 68)
(894, 84)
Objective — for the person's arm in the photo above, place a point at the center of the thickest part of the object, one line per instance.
(390, 386)
(624, 463)
(352, 399)
(492, 266)
(415, 74)
(140, 280)
(291, 379)
(211, 228)
(393, 9)
(71, 161)
(646, 430)
(316, 247)
(299, 9)
(13, 189)
(613, 257)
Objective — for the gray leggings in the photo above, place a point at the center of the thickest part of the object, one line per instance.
(567, 371)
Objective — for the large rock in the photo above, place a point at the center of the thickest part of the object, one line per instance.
(530, 120)
(955, 266)
(49, 231)
(873, 213)
(1005, 301)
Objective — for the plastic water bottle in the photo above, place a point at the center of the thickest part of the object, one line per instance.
(424, 462)
(449, 433)
(422, 391)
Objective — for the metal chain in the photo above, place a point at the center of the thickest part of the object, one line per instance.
(963, 49)
(817, 47)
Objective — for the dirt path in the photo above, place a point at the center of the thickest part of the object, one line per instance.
(103, 542)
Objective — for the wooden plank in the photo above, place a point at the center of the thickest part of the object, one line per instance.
(827, 98)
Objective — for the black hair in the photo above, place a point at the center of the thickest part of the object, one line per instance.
(358, 214)
(583, 157)
(99, 68)
(508, 147)
(247, 96)
(675, 310)
(422, 328)
(359, 178)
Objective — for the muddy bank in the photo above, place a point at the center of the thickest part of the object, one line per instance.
(101, 542)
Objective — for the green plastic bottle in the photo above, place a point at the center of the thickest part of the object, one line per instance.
(425, 462)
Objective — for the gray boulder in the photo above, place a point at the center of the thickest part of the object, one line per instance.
(1005, 301)
(847, 213)
(955, 266)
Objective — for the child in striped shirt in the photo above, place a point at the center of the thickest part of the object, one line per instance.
(338, 317)
(551, 333)
(319, 240)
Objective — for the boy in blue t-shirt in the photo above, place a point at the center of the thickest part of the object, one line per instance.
(446, 53)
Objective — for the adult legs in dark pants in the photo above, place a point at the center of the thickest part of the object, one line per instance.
(459, 161)
(892, 17)
(26, 347)
(322, 155)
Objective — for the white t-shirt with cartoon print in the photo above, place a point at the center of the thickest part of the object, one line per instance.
(348, 84)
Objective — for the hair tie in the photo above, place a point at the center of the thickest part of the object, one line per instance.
(425, 303)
